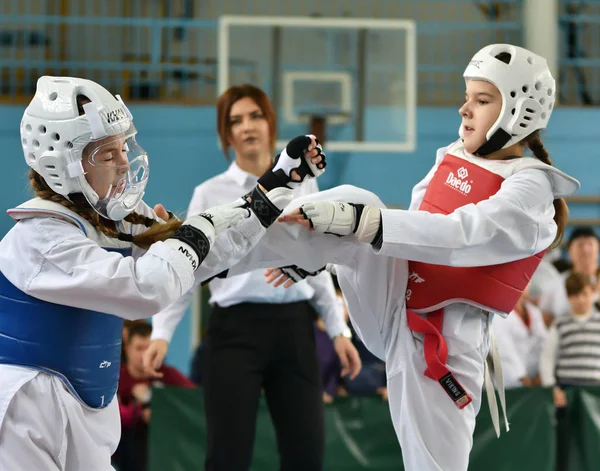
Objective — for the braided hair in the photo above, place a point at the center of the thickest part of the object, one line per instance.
(561, 211)
(156, 231)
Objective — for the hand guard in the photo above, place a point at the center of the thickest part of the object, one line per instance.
(224, 216)
(197, 234)
(298, 274)
(293, 157)
(343, 219)
(332, 217)
(268, 207)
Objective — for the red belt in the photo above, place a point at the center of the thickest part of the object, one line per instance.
(436, 354)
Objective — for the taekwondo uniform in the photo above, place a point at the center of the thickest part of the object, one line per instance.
(65, 289)
(496, 216)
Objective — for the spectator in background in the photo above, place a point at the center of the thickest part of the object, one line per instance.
(520, 338)
(570, 356)
(329, 363)
(597, 287)
(126, 325)
(370, 381)
(135, 394)
(583, 250)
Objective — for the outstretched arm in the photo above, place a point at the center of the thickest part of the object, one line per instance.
(219, 237)
(289, 244)
(514, 223)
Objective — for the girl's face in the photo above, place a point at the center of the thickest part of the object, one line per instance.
(248, 129)
(480, 111)
(105, 163)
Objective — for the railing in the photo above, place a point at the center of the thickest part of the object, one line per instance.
(166, 50)
(580, 52)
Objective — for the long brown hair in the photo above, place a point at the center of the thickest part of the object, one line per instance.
(156, 231)
(226, 101)
(561, 211)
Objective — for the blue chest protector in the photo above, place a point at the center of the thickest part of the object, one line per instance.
(81, 347)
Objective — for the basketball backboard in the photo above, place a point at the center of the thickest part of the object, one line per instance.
(359, 75)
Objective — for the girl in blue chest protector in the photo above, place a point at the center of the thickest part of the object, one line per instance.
(85, 254)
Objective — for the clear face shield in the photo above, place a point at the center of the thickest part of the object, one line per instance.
(116, 171)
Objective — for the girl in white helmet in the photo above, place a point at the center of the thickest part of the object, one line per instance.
(85, 254)
(425, 283)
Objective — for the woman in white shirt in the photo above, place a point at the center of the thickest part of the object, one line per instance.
(259, 338)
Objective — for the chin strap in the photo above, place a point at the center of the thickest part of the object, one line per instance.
(495, 143)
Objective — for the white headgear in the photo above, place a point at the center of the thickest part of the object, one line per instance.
(54, 135)
(528, 93)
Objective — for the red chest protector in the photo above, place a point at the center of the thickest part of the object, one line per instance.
(458, 182)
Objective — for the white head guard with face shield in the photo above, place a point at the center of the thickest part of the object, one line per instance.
(528, 92)
(56, 138)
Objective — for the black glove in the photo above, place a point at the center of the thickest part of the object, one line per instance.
(298, 274)
(293, 157)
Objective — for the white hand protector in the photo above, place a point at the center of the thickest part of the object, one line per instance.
(225, 216)
(197, 234)
(331, 217)
(294, 157)
(343, 219)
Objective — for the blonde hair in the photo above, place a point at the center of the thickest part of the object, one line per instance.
(156, 231)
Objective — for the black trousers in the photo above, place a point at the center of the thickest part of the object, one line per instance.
(251, 347)
(563, 438)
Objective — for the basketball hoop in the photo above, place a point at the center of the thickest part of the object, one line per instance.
(318, 122)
